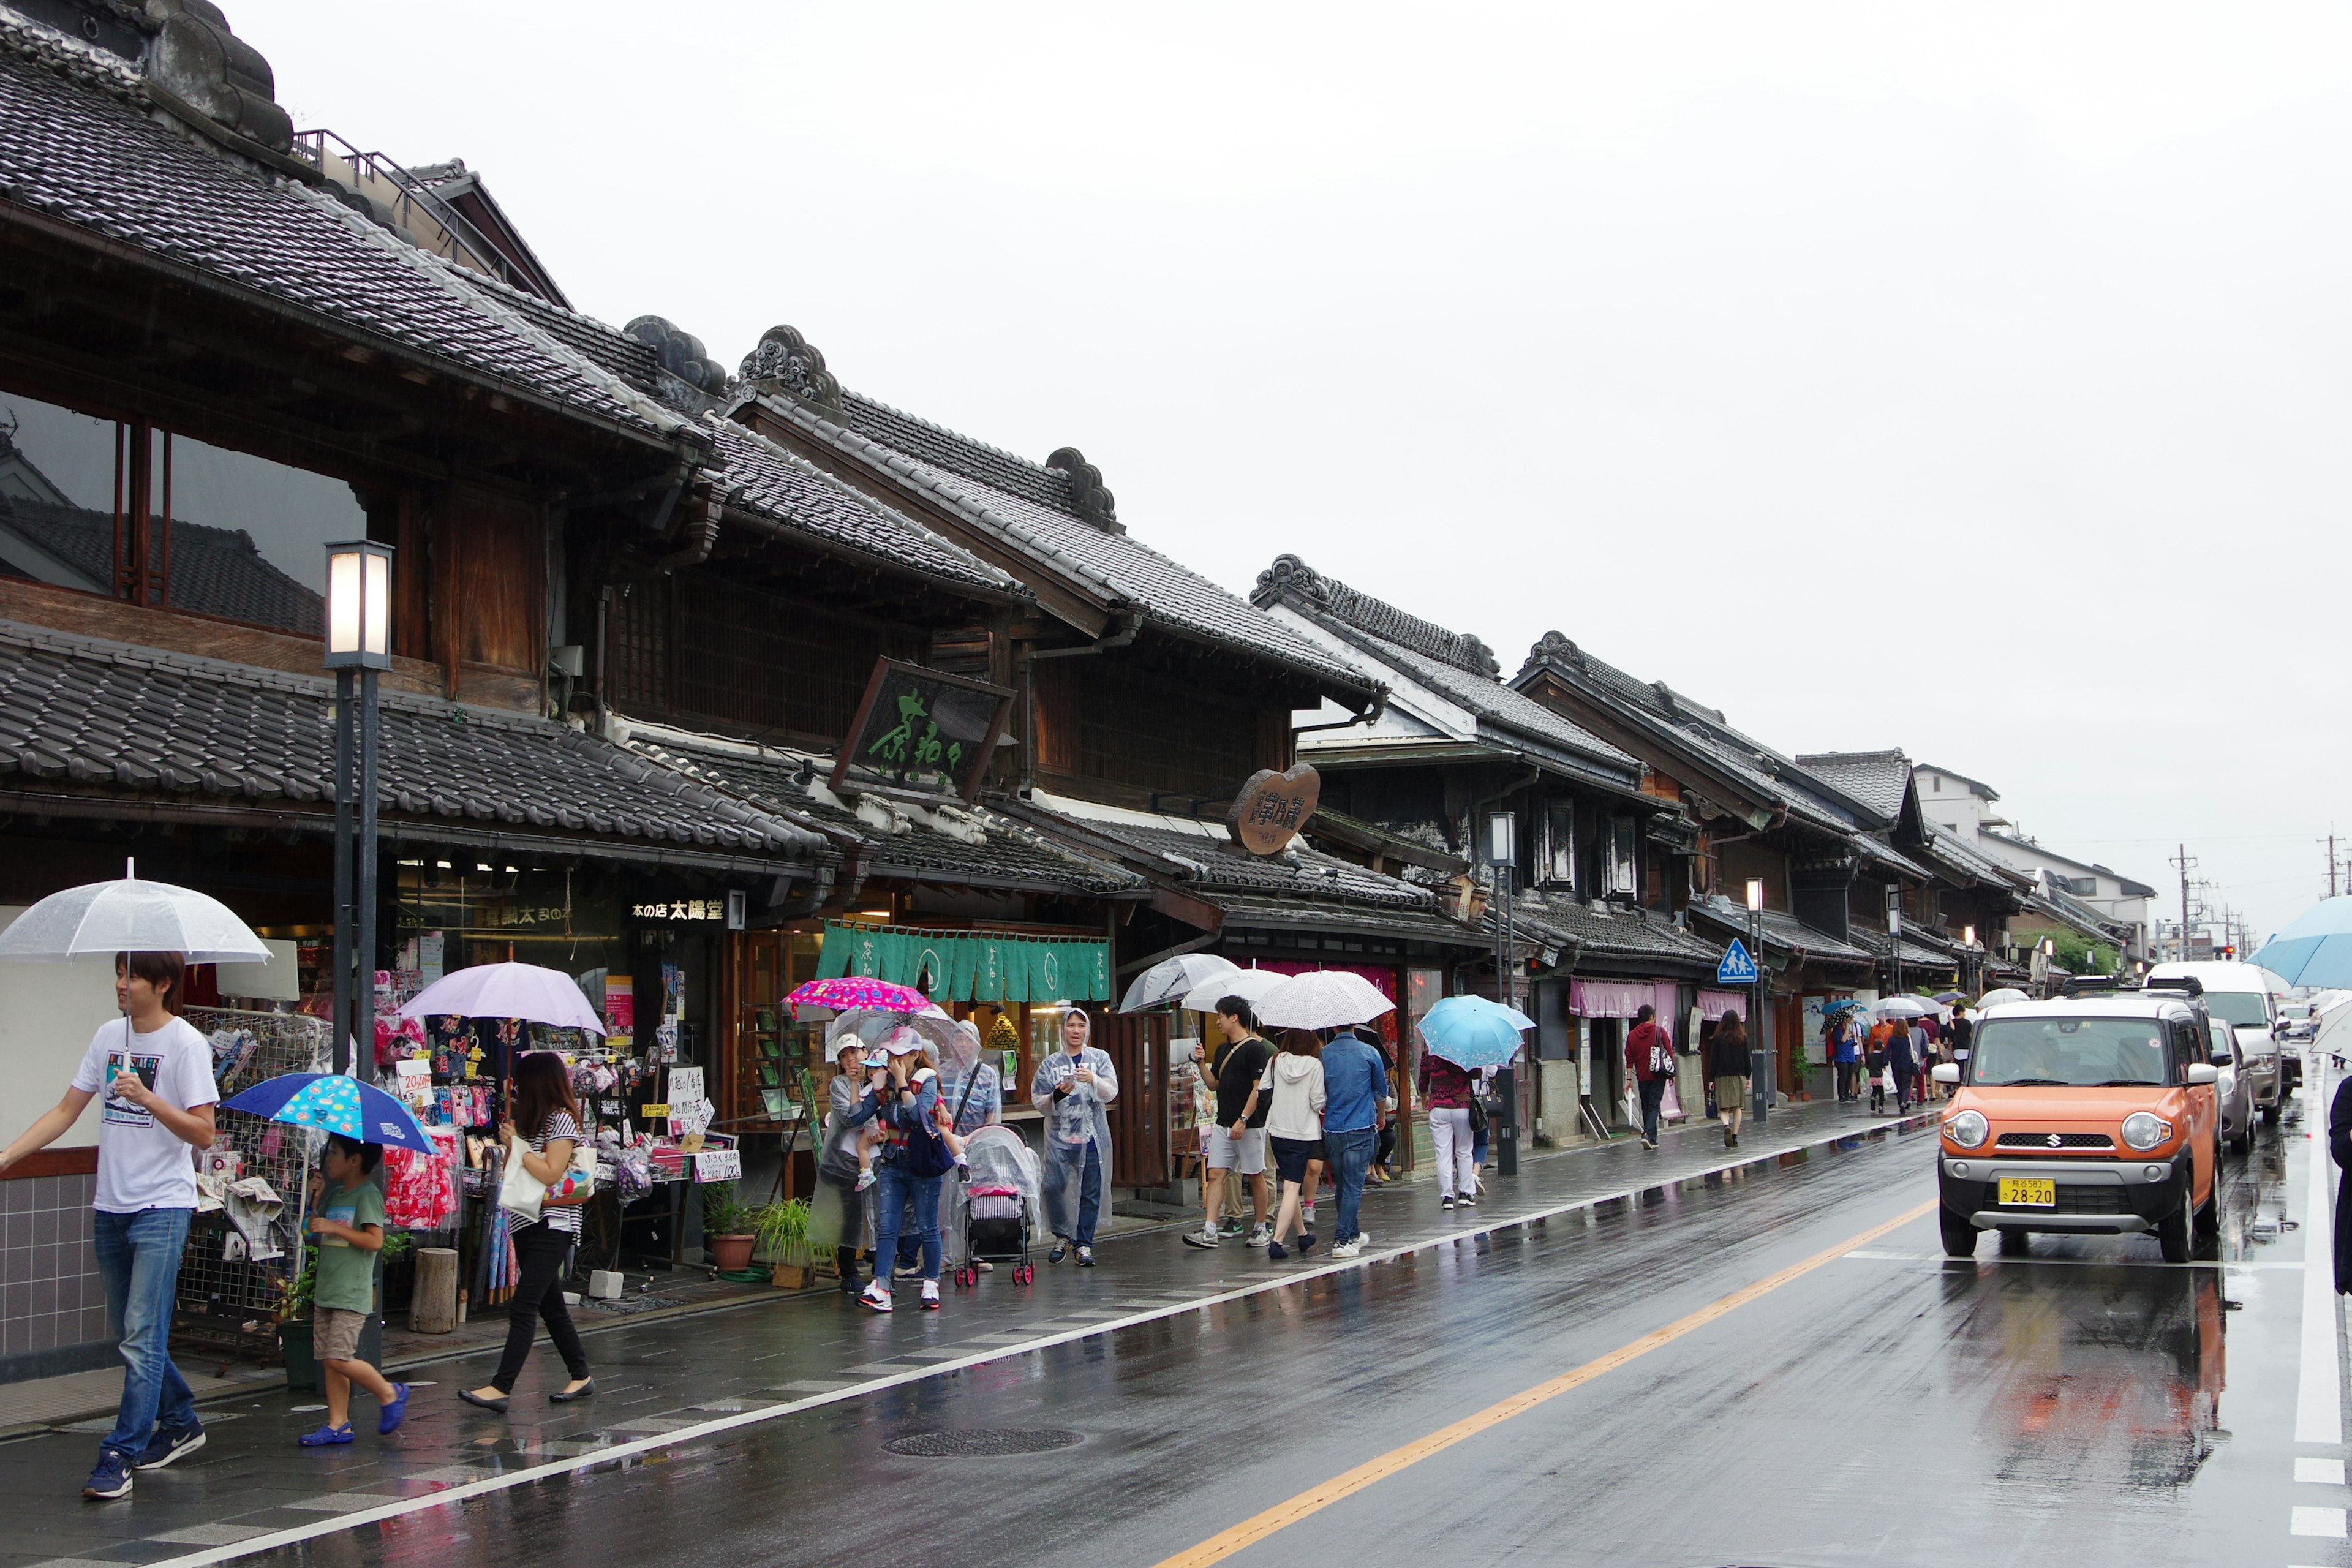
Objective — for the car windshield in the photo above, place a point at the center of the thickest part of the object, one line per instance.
(2077, 1052)
(2240, 1009)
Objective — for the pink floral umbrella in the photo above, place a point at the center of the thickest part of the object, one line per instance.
(847, 991)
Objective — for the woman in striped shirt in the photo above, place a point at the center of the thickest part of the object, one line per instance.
(544, 1128)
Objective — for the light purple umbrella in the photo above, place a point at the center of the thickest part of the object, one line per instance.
(524, 991)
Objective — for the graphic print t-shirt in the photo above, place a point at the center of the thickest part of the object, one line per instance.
(142, 1163)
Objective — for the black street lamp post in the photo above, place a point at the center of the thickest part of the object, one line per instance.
(359, 648)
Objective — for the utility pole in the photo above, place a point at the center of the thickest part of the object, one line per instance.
(2184, 865)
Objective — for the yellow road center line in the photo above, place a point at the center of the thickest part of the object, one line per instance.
(1282, 1515)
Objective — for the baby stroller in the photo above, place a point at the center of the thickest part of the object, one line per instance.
(1000, 1203)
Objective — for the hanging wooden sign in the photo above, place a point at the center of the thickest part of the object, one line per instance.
(923, 729)
(1272, 807)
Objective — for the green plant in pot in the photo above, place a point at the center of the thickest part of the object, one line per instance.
(782, 1230)
(727, 1230)
(294, 1330)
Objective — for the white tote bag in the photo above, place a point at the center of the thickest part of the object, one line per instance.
(519, 1191)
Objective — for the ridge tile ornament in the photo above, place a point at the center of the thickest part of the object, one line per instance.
(1272, 807)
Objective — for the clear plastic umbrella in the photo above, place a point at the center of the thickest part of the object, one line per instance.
(1321, 999)
(1901, 1007)
(98, 919)
(1171, 978)
(874, 1024)
(1249, 984)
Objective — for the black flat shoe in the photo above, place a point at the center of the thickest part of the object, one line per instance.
(470, 1397)
(582, 1391)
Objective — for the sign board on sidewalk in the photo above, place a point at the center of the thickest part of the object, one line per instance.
(719, 1165)
(1737, 968)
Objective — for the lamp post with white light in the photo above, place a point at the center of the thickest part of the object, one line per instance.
(1503, 856)
(1968, 960)
(359, 647)
(1760, 1053)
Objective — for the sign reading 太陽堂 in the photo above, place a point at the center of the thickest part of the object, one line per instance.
(1272, 807)
(923, 729)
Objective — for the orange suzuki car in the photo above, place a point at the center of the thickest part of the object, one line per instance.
(2093, 1114)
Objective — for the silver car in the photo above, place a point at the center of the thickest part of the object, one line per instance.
(2235, 1087)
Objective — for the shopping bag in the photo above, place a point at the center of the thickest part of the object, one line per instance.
(519, 1191)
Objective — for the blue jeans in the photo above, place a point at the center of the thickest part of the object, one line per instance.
(1351, 1156)
(1653, 1096)
(1062, 1164)
(904, 1205)
(139, 1257)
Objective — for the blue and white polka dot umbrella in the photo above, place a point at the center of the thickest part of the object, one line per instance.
(333, 1102)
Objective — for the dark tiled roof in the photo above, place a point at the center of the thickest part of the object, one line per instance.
(609, 349)
(1345, 919)
(78, 143)
(1115, 565)
(959, 455)
(215, 571)
(1873, 779)
(1921, 950)
(1785, 933)
(1302, 872)
(1006, 854)
(1456, 666)
(1964, 858)
(82, 716)
(760, 477)
(1613, 933)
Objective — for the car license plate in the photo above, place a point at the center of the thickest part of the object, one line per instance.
(2029, 1192)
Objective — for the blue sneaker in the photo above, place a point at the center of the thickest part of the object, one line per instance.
(396, 1411)
(166, 1446)
(111, 1479)
(1277, 1251)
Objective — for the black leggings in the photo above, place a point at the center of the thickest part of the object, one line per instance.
(1386, 1152)
(541, 1253)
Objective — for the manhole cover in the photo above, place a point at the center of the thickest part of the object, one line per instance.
(983, 1441)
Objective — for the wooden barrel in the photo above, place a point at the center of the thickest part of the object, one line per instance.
(433, 1310)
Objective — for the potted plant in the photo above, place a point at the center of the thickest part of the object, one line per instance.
(784, 1240)
(294, 1327)
(399, 1257)
(727, 1228)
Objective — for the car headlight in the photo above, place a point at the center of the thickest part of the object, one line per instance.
(2142, 1131)
(1969, 1129)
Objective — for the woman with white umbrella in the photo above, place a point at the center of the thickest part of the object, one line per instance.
(156, 1073)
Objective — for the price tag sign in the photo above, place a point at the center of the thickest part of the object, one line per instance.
(719, 1165)
(651, 1112)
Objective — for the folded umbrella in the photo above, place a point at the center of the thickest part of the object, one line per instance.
(335, 1102)
(524, 991)
(1472, 1032)
(2314, 948)
(1171, 978)
(1320, 999)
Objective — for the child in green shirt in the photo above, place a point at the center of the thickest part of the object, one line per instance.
(348, 1220)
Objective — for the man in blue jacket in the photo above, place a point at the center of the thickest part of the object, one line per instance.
(1355, 1083)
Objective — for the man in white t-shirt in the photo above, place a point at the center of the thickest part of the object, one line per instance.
(156, 1072)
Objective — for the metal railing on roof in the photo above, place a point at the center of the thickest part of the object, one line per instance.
(461, 241)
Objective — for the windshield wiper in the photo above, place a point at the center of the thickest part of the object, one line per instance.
(2030, 1083)
(2125, 1083)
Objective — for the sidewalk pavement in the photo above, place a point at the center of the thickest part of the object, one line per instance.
(251, 1485)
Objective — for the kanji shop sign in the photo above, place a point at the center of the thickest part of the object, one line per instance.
(681, 909)
(1272, 807)
(921, 729)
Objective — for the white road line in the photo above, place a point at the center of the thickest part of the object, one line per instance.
(619, 1452)
(2320, 1472)
(2319, 1389)
(2318, 1521)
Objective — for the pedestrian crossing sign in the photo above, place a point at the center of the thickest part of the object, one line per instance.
(1737, 968)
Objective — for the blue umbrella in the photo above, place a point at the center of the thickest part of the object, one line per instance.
(2314, 948)
(1472, 1032)
(335, 1102)
(1842, 1005)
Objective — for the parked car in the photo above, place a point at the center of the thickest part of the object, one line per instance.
(2247, 995)
(2095, 1114)
(2232, 1087)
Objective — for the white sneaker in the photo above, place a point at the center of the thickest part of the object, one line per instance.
(1261, 1236)
(1207, 1237)
(1347, 1250)
(878, 1299)
(930, 1295)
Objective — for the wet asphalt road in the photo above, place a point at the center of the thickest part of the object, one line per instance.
(2083, 1404)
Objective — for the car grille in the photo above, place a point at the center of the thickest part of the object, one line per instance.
(2066, 1141)
(2082, 1198)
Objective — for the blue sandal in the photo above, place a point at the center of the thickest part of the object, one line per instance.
(327, 1437)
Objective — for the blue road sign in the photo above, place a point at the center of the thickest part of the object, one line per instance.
(1737, 968)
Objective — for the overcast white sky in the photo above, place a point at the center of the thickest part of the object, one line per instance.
(1972, 379)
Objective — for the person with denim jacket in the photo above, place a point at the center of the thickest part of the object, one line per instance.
(156, 1074)
(1355, 1084)
(1074, 1086)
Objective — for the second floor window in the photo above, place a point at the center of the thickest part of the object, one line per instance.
(1625, 855)
(1555, 848)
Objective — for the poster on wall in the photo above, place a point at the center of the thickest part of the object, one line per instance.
(673, 1009)
(620, 1013)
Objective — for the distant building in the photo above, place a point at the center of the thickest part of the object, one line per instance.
(2088, 891)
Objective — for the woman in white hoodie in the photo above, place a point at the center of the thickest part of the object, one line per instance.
(1293, 1083)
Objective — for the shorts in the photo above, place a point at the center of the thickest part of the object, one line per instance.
(1291, 1154)
(335, 1333)
(1246, 1156)
(1731, 1090)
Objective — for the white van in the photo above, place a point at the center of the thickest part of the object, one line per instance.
(2247, 997)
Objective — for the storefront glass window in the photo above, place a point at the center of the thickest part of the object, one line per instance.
(228, 534)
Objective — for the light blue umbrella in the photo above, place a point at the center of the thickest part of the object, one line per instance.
(1472, 1032)
(2314, 948)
